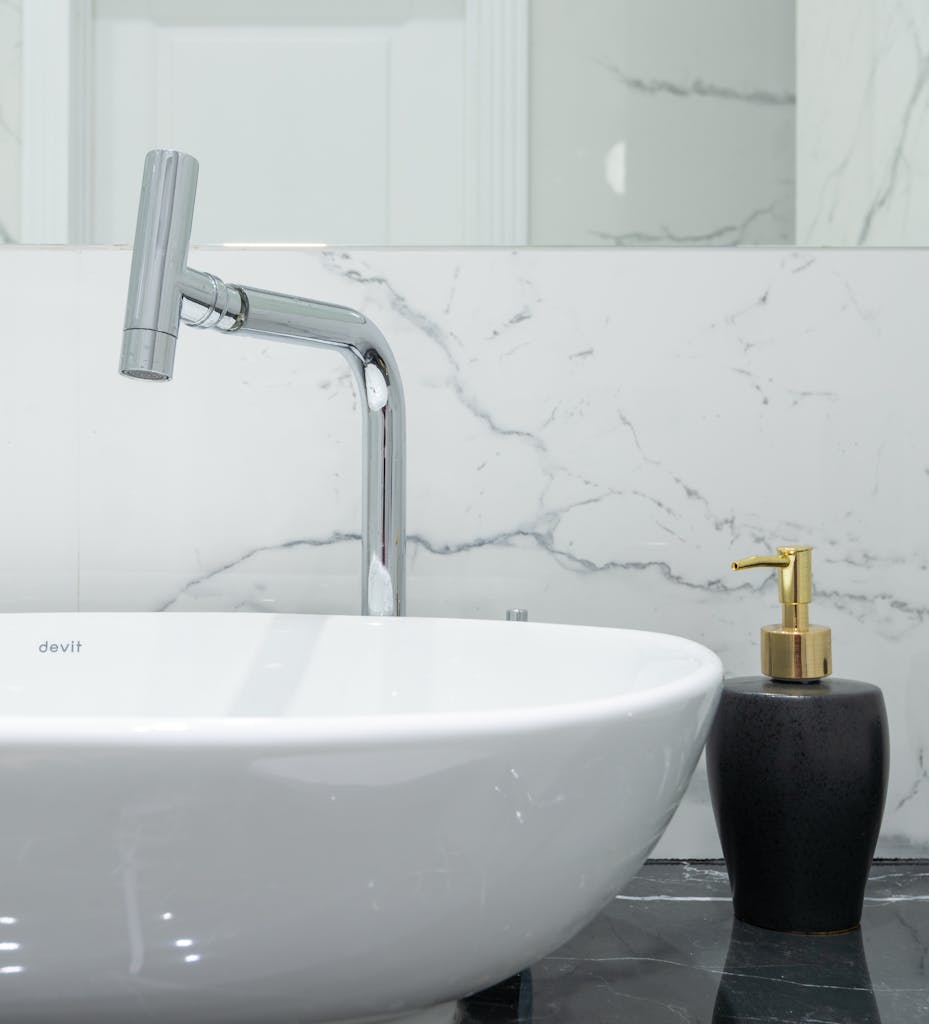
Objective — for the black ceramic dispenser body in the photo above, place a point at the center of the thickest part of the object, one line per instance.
(798, 769)
(798, 775)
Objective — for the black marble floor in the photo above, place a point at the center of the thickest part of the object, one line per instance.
(667, 951)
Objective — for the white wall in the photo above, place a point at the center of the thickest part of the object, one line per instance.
(699, 97)
(593, 435)
(10, 117)
(863, 122)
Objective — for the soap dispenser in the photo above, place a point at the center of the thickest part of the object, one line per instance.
(797, 765)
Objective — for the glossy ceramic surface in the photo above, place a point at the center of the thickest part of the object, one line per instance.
(281, 818)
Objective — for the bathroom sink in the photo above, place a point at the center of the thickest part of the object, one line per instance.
(298, 818)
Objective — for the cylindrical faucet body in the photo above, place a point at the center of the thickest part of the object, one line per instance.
(327, 326)
(159, 258)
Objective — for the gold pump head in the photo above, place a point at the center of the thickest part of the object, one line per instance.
(794, 649)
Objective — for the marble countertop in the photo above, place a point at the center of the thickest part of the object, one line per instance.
(667, 951)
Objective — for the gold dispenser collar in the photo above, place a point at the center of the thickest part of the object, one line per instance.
(794, 649)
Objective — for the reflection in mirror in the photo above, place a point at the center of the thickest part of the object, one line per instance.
(456, 122)
(662, 122)
(781, 976)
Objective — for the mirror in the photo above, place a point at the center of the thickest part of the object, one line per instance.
(460, 122)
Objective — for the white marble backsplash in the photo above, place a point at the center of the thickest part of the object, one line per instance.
(862, 122)
(593, 435)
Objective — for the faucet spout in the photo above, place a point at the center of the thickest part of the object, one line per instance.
(164, 291)
(159, 256)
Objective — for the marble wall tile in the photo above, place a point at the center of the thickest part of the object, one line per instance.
(862, 122)
(594, 435)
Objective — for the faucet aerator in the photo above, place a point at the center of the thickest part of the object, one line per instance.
(147, 355)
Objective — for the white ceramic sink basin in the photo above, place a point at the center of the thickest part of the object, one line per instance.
(295, 818)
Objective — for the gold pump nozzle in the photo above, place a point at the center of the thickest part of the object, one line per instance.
(794, 649)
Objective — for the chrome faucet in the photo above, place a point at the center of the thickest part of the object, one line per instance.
(163, 291)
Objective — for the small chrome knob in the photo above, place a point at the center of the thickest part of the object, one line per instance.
(517, 615)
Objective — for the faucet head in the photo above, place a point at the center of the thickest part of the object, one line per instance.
(147, 354)
(159, 259)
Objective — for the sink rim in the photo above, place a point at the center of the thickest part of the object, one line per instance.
(359, 730)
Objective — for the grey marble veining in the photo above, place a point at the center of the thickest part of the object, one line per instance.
(667, 951)
(726, 234)
(699, 87)
(863, 83)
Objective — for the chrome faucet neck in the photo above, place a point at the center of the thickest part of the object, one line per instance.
(163, 291)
